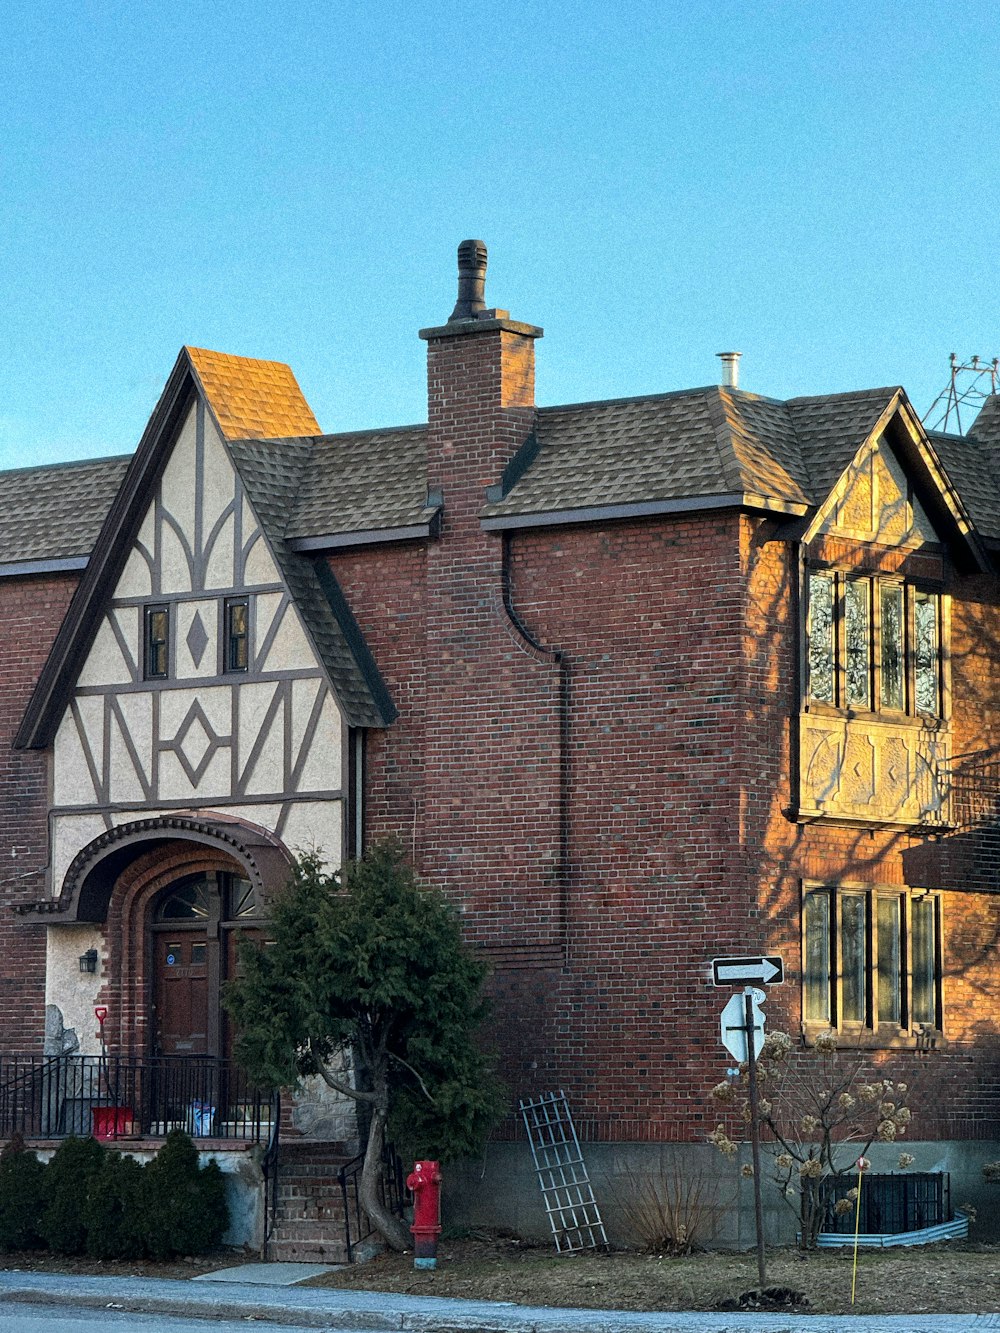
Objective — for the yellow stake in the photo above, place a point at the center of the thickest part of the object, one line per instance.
(862, 1165)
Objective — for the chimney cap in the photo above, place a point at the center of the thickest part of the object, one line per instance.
(730, 369)
(472, 260)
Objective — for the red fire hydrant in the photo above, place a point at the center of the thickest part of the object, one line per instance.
(425, 1182)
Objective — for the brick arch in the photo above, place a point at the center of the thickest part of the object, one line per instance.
(128, 982)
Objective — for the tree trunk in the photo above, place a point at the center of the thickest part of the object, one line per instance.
(394, 1230)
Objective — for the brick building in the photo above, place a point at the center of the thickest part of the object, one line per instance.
(640, 682)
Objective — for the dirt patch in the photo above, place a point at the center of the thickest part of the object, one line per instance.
(34, 1261)
(951, 1278)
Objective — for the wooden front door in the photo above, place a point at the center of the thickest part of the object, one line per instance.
(182, 1026)
(194, 929)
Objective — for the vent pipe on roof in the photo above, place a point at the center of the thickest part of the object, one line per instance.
(730, 369)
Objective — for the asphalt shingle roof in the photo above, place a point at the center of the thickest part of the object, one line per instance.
(271, 473)
(252, 399)
(56, 512)
(361, 481)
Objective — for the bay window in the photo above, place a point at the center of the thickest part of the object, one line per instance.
(874, 644)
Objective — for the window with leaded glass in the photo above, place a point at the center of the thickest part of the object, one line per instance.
(237, 634)
(156, 647)
(871, 960)
(874, 644)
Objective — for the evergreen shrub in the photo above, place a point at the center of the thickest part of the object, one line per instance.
(22, 1181)
(185, 1204)
(68, 1180)
(114, 1213)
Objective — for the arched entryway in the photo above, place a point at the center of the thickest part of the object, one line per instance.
(195, 927)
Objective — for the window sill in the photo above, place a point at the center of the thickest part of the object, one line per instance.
(887, 1037)
(891, 718)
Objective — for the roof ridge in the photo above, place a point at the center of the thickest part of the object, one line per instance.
(69, 463)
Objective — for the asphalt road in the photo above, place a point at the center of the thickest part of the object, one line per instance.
(15, 1318)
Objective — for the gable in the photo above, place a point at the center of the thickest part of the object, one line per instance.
(204, 539)
(895, 492)
(875, 501)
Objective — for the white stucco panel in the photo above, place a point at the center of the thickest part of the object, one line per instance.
(70, 834)
(214, 781)
(105, 664)
(175, 566)
(136, 580)
(72, 782)
(315, 826)
(130, 760)
(260, 566)
(267, 773)
(266, 605)
(291, 650)
(219, 477)
(219, 550)
(177, 485)
(216, 704)
(72, 991)
(208, 613)
(128, 621)
(321, 769)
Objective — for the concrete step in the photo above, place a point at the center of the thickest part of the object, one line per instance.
(306, 1252)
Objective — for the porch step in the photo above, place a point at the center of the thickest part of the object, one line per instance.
(309, 1221)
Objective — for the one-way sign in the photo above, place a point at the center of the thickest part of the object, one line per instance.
(745, 971)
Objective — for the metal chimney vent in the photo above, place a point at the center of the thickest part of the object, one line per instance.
(730, 369)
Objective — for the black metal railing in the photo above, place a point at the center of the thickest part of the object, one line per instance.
(393, 1191)
(890, 1204)
(269, 1170)
(125, 1097)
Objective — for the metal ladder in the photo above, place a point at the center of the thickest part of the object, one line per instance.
(566, 1190)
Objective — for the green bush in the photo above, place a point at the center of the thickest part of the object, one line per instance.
(22, 1181)
(114, 1214)
(68, 1179)
(185, 1204)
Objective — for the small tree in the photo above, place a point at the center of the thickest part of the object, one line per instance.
(820, 1116)
(114, 1212)
(372, 960)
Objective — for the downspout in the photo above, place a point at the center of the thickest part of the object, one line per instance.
(556, 656)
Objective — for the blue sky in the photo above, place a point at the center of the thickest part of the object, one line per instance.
(812, 184)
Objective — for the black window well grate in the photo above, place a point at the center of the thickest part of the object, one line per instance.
(890, 1204)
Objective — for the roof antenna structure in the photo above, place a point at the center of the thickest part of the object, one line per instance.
(968, 387)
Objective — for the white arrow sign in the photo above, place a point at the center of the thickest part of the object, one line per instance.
(741, 971)
(734, 1026)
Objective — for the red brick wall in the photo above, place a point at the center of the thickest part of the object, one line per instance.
(31, 611)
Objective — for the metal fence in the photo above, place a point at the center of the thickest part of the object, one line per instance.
(890, 1204)
(124, 1097)
(395, 1196)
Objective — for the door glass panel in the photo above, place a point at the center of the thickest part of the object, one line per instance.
(889, 960)
(852, 952)
(188, 903)
(241, 899)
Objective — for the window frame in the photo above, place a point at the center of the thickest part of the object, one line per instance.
(151, 647)
(229, 604)
(836, 635)
(870, 1028)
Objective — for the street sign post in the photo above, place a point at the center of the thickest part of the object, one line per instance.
(768, 970)
(734, 1025)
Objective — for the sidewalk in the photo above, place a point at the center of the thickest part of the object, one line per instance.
(318, 1307)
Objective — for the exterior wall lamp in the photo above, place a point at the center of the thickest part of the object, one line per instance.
(88, 961)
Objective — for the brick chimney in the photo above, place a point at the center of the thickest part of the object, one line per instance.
(480, 392)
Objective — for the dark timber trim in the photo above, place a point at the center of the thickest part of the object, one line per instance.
(83, 618)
